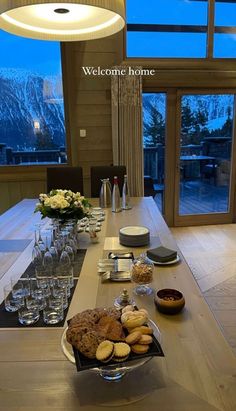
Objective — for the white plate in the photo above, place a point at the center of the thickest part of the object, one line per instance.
(176, 260)
(134, 230)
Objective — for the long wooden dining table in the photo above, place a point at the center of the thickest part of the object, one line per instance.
(198, 372)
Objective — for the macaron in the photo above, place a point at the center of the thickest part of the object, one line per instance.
(121, 352)
(139, 348)
(105, 351)
(144, 329)
(145, 339)
(133, 338)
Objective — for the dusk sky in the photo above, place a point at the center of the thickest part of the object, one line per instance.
(186, 12)
(40, 56)
(44, 56)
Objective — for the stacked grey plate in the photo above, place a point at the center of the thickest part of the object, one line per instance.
(134, 236)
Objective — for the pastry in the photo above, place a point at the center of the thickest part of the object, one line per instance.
(127, 308)
(105, 351)
(136, 321)
(142, 310)
(121, 352)
(144, 329)
(133, 338)
(139, 348)
(145, 339)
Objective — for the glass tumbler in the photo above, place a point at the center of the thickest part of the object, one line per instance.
(11, 302)
(53, 313)
(28, 315)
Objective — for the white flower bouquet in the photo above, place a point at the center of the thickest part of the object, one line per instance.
(63, 205)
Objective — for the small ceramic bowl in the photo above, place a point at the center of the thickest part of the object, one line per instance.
(169, 301)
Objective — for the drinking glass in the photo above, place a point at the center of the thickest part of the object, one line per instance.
(44, 276)
(28, 316)
(33, 302)
(53, 312)
(40, 241)
(64, 276)
(61, 291)
(11, 303)
(20, 287)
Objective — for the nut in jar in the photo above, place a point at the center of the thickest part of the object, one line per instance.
(142, 274)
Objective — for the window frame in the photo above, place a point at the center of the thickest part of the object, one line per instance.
(205, 62)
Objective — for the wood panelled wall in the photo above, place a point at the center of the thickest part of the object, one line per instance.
(88, 106)
(89, 101)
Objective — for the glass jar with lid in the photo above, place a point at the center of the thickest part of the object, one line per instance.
(142, 275)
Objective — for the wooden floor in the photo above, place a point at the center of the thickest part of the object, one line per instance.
(210, 252)
(200, 197)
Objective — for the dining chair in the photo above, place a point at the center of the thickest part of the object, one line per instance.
(100, 172)
(66, 178)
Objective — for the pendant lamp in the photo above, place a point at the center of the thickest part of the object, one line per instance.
(62, 20)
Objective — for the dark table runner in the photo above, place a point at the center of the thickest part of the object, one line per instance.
(10, 320)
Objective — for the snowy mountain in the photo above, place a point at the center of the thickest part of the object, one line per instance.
(26, 97)
(216, 106)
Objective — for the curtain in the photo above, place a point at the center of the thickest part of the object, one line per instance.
(127, 133)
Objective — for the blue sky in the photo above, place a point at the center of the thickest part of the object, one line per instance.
(187, 12)
(38, 56)
(44, 56)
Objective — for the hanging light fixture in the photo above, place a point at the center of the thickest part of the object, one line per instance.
(62, 20)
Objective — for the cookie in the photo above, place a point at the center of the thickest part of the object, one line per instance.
(144, 329)
(121, 352)
(101, 312)
(115, 331)
(80, 319)
(140, 349)
(145, 339)
(133, 338)
(89, 343)
(105, 351)
(75, 333)
(113, 312)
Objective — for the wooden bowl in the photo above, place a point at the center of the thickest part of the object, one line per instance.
(169, 301)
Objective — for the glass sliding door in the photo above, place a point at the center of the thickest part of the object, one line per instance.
(205, 154)
(154, 131)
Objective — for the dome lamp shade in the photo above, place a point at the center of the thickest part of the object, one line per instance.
(62, 20)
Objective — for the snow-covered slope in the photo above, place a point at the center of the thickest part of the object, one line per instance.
(24, 98)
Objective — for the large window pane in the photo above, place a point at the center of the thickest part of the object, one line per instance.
(225, 45)
(205, 153)
(182, 45)
(154, 131)
(167, 12)
(225, 13)
(32, 129)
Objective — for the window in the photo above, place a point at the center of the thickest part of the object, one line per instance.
(154, 133)
(32, 127)
(225, 29)
(181, 28)
(205, 153)
(171, 28)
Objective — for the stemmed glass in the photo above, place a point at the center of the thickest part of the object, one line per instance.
(37, 257)
(40, 241)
